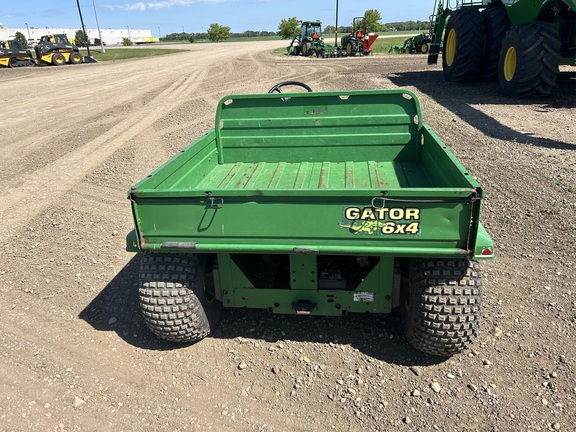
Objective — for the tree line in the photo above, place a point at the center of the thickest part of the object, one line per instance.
(287, 29)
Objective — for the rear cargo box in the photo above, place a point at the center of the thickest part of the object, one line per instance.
(346, 173)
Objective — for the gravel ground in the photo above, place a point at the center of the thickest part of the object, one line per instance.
(75, 354)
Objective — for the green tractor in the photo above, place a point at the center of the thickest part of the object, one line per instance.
(358, 41)
(520, 42)
(415, 45)
(309, 41)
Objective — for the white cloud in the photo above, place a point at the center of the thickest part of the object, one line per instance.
(146, 5)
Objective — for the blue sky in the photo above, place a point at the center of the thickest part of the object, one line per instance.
(196, 15)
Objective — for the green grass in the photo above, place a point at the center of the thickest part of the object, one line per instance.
(382, 45)
(128, 53)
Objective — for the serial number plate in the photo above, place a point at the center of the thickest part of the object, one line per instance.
(364, 297)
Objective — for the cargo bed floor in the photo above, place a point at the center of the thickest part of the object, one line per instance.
(314, 175)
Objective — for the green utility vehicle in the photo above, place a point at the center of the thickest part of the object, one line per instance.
(313, 203)
(521, 42)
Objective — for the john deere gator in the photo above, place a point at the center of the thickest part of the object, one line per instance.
(327, 203)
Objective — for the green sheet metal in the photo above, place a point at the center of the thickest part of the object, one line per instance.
(332, 172)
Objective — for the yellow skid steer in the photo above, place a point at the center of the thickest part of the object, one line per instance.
(12, 54)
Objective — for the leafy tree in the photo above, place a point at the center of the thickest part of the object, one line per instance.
(288, 28)
(329, 29)
(22, 39)
(80, 39)
(191, 38)
(372, 19)
(216, 32)
(126, 42)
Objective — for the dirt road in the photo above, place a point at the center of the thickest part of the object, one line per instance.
(76, 356)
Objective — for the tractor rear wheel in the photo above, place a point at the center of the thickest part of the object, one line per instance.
(75, 58)
(463, 45)
(175, 301)
(496, 24)
(351, 48)
(424, 48)
(442, 305)
(529, 60)
(58, 59)
(306, 48)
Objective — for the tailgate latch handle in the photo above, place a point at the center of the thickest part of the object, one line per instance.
(378, 202)
(216, 203)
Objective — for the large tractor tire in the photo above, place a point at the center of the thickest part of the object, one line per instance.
(463, 46)
(442, 306)
(306, 48)
(174, 299)
(351, 48)
(529, 60)
(496, 25)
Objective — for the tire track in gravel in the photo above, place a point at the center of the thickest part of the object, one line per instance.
(44, 186)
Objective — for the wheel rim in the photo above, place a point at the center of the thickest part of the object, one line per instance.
(510, 64)
(349, 48)
(450, 47)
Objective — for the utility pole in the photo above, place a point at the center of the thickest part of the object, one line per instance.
(102, 49)
(89, 58)
(336, 35)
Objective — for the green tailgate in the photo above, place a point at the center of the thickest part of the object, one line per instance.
(352, 172)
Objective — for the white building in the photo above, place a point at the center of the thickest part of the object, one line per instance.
(109, 36)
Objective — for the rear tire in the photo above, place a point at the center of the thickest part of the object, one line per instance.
(442, 307)
(58, 59)
(463, 46)
(351, 48)
(173, 298)
(75, 58)
(529, 60)
(306, 49)
(496, 24)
